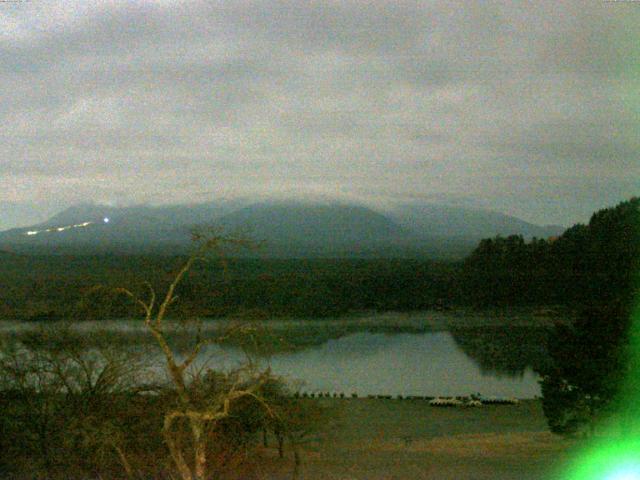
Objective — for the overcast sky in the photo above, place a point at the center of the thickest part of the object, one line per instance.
(530, 108)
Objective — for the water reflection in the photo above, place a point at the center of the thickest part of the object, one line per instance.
(408, 364)
(377, 359)
(504, 351)
(431, 363)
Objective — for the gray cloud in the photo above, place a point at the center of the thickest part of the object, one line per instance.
(155, 101)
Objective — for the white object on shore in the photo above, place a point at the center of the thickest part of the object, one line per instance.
(445, 402)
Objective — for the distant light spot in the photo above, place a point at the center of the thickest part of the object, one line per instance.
(32, 232)
(105, 219)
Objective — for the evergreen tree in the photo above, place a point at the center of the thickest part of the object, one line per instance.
(587, 368)
(599, 265)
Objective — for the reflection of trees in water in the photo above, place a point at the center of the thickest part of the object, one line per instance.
(505, 351)
(306, 335)
(269, 340)
(499, 351)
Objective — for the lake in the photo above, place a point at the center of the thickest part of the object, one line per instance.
(429, 354)
(429, 364)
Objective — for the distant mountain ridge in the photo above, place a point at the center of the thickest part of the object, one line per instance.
(289, 228)
(460, 221)
(286, 222)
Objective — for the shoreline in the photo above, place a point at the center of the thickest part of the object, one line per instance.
(425, 320)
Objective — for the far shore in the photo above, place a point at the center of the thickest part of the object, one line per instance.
(426, 320)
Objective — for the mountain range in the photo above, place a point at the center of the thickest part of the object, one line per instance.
(288, 228)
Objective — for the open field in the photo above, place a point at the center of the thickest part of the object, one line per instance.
(390, 439)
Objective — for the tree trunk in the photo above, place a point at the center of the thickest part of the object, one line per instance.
(200, 448)
(125, 462)
(42, 432)
(174, 451)
(297, 461)
(280, 444)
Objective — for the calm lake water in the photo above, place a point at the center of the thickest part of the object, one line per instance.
(431, 364)
(383, 357)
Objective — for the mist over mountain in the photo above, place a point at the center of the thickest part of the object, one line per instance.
(288, 228)
(16, 214)
(465, 222)
(286, 222)
(168, 215)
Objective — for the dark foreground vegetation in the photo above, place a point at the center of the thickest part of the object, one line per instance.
(592, 373)
(67, 411)
(120, 436)
(74, 411)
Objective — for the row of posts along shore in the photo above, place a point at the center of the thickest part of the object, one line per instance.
(471, 400)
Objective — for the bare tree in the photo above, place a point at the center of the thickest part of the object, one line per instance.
(63, 393)
(197, 413)
(81, 409)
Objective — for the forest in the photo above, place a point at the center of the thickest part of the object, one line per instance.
(56, 287)
(587, 264)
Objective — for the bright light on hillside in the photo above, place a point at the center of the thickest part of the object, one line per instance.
(62, 229)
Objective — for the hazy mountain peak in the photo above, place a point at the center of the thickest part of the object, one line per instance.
(298, 227)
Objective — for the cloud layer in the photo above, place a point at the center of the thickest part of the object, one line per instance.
(528, 108)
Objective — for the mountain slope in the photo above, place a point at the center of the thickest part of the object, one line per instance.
(317, 223)
(434, 220)
(319, 229)
(289, 228)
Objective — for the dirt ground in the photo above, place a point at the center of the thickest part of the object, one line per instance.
(376, 439)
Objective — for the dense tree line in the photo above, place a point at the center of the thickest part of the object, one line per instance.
(54, 287)
(587, 264)
(593, 357)
(593, 269)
